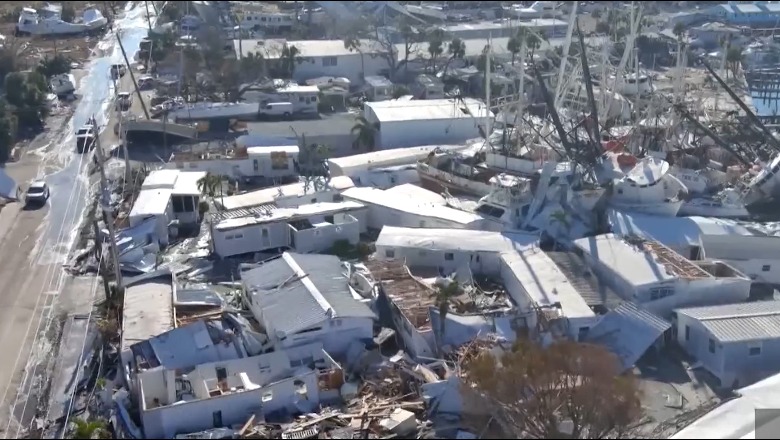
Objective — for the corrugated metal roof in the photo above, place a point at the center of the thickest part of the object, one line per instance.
(739, 322)
(589, 286)
(297, 291)
(628, 332)
(243, 212)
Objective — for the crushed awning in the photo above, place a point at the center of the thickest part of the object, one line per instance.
(628, 332)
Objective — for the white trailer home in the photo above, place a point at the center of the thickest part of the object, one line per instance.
(449, 249)
(301, 299)
(652, 275)
(217, 394)
(756, 256)
(185, 194)
(307, 228)
(154, 203)
(289, 196)
(396, 208)
(274, 163)
(738, 343)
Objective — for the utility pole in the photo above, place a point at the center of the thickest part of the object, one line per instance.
(108, 218)
(148, 17)
(101, 263)
(132, 76)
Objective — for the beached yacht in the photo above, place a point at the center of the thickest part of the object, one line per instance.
(49, 22)
(459, 174)
(644, 186)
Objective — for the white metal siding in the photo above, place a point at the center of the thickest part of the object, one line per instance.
(347, 66)
(480, 262)
(379, 216)
(250, 239)
(399, 134)
(322, 238)
(194, 416)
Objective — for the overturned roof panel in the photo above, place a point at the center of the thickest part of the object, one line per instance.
(628, 332)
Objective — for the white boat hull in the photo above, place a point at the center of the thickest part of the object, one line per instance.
(661, 209)
(215, 110)
(732, 211)
(437, 180)
(587, 199)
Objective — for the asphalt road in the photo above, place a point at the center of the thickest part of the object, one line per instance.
(34, 243)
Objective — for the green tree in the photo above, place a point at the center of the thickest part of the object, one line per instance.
(442, 298)
(514, 45)
(435, 46)
(482, 60)
(364, 133)
(8, 61)
(26, 92)
(603, 27)
(679, 30)
(55, 65)
(8, 127)
(399, 91)
(532, 40)
(734, 59)
(288, 61)
(353, 43)
(210, 184)
(457, 50)
(95, 429)
(68, 12)
(534, 391)
(411, 39)
(172, 11)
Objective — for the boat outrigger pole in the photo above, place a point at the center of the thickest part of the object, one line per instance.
(752, 116)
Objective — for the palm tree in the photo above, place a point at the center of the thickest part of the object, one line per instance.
(209, 184)
(514, 45)
(364, 133)
(435, 46)
(533, 41)
(89, 430)
(457, 50)
(442, 297)
(679, 30)
(288, 59)
(734, 58)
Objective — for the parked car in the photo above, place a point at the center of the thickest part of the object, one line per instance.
(123, 101)
(37, 193)
(118, 70)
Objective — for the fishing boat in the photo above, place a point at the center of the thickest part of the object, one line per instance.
(458, 174)
(725, 204)
(645, 186)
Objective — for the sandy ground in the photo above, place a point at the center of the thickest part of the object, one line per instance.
(29, 290)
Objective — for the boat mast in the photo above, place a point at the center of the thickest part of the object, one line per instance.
(636, 16)
(488, 52)
(565, 56)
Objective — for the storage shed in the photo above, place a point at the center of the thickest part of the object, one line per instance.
(426, 122)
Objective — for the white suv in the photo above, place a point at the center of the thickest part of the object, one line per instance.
(37, 193)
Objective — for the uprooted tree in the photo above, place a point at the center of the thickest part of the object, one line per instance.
(565, 390)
